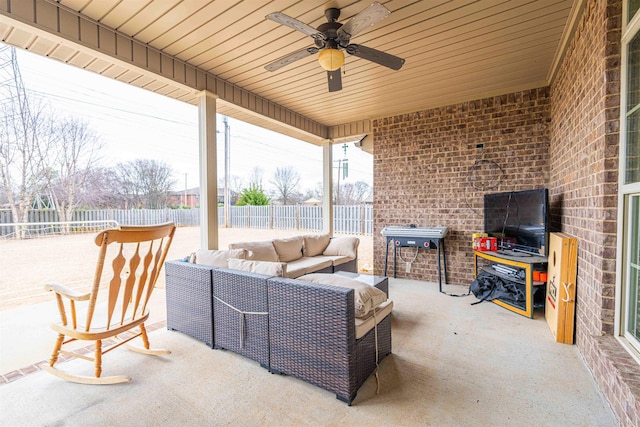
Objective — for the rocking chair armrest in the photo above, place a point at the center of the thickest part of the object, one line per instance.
(66, 292)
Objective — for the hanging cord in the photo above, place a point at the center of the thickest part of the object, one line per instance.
(415, 256)
(475, 181)
(375, 337)
(243, 315)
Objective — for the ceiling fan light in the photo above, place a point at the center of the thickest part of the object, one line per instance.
(331, 59)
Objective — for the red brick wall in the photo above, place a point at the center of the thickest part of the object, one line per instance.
(565, 138)
(584, 166)
(428, 171)
(585, 98)
(584, 159)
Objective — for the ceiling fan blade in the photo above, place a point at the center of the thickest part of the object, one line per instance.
(292, 57)
(374, 55)
(366, 18)
(287, 20)
(335, 80)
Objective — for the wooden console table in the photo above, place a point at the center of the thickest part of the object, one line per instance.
(528, 263)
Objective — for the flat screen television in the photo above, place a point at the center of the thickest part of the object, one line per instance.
(519, 220)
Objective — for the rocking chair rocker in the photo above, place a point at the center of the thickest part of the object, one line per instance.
(118, 312)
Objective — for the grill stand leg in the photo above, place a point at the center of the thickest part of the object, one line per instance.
(386, 258)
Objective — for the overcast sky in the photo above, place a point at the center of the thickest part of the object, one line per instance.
(134, 123)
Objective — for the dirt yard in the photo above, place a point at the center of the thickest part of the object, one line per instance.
(26, 265)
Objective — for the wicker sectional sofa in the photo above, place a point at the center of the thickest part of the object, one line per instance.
(297, 327)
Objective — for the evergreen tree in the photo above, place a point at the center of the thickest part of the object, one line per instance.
(253, 196)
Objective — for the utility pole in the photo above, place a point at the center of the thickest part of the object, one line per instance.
(185, 203)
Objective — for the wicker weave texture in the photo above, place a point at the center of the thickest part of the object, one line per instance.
(351, 266)
(189, 300)
(308, 333)
(312, 334)
(241, 313)
(366, 350)
(384, 286)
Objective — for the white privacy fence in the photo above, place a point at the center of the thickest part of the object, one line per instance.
(356, 219)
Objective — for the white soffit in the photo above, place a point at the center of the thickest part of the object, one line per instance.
(455, 51)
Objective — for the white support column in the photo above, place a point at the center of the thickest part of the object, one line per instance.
(327, 181)
(208, 170)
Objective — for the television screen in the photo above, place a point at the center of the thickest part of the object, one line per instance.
(519, 220)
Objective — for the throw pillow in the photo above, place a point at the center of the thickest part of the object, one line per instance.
(343, 246)
(218, 258)
(258, 251)
(262, 267)
(366, 297)
(314, 245)
(289, 249)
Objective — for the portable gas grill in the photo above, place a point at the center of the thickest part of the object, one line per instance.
(419, 237)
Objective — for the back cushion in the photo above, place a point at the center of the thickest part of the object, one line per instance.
(258, 251)
(366, 297)
(343, 246)
(289, 249)
(262, 267)
(314, 245)
(218, 258)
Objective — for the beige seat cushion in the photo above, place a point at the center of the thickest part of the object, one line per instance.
(289, 249)
(336, 259)
(262, 267)
(218, 258)
(366, 323)
(306, 265)
(366, 297)
(343, 246)
(258, 251)
(315, 244)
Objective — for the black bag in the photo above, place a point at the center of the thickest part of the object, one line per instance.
(487, 287)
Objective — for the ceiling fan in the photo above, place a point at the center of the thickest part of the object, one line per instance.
(332, 37)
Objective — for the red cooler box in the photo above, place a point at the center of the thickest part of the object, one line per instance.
(485, 244)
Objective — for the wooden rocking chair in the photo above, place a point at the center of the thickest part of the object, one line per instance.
(117, 313)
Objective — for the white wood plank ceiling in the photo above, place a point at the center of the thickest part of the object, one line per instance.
(455, 50)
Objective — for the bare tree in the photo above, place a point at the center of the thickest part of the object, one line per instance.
(314, 193)
(77, 149)
(3, 195)
(145, 183)
(25, 140)
(357, 192)
(255, 178)
(101, 189)
(235, 188)
(285, 181)
(353, 193)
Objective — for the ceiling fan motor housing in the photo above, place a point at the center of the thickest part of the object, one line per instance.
(330, 30)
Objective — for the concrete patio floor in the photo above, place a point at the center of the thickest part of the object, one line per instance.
(452, 364)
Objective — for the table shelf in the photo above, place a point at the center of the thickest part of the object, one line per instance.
(490, 270)
(526, 263)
